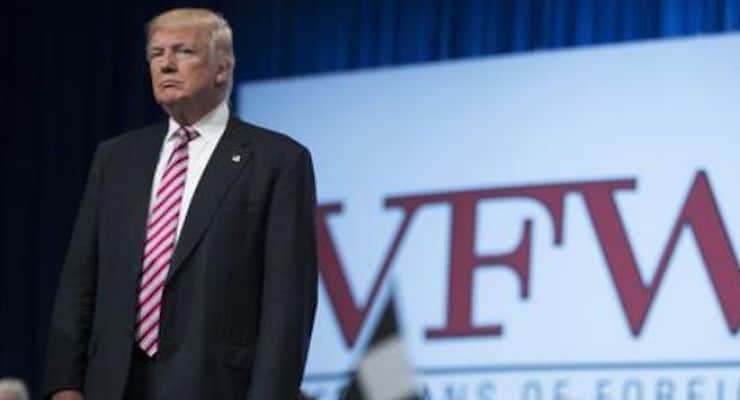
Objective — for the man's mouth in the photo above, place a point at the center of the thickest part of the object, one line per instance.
(169, 84)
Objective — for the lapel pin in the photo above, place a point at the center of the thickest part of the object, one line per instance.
(236, 158)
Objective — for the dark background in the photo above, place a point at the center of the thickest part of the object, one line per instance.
(75, 74)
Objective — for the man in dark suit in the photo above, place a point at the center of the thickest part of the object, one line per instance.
(192, 271)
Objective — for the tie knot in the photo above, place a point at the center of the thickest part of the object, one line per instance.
(186, 134)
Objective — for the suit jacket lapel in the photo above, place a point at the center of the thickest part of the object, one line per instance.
(229, 157)
(144, 162)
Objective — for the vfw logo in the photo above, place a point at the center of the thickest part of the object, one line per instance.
(699, 213)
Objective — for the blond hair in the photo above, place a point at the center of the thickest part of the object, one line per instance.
(13, 389)
(220, 39)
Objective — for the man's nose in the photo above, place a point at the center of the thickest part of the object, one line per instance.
(169, 63)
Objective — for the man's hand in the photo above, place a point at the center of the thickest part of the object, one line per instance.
(67, 395)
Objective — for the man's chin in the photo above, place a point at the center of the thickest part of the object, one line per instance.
(170, 101)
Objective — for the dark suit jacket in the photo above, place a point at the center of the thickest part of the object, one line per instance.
(240, 295)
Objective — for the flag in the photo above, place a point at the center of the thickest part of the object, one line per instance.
(383, 372)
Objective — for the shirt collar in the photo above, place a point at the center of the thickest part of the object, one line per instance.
(210, 126)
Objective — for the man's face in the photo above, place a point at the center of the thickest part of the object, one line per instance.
(180, 66)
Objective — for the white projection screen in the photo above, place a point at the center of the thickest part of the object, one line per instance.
(552, 225)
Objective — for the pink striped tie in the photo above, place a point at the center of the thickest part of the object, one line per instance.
(160, 242)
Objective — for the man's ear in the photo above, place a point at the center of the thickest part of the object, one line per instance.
(222, 73)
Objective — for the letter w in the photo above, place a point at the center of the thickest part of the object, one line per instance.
(700, 213)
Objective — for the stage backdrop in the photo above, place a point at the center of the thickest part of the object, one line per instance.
(557, 225)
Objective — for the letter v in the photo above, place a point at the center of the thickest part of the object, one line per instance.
(350, 315)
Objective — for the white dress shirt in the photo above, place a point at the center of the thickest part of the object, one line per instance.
(210, 129)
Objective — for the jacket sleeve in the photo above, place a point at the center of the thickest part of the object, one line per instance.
(289, 284)
(71, 320)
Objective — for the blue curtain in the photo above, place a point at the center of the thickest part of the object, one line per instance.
(287, 38)
(77, 76)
